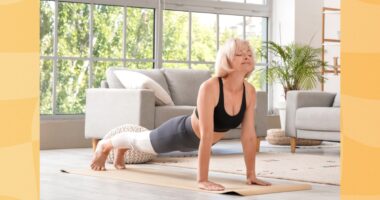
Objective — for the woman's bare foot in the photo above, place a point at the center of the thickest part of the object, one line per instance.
(119, 162)
(100, 155)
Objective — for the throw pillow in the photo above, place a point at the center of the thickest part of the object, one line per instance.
(135, 80)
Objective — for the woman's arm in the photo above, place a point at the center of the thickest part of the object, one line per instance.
(248, 137)
(205, 106)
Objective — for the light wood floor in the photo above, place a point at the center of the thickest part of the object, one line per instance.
(56, 185)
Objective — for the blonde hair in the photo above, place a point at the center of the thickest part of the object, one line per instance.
(225, 54)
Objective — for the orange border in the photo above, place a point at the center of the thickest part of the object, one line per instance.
(360, 101)
(19, 99)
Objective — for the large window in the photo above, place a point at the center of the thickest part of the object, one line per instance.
(79, 41)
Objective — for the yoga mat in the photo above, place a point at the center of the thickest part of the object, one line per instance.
(322, 169)
(186, 179)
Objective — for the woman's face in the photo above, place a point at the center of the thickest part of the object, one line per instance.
(242, 59)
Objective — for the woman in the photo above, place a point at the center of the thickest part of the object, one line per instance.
(224, 102)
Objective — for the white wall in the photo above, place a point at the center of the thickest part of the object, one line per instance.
(308, 22)
(283, 21)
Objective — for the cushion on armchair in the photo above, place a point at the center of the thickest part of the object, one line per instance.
(318, 118)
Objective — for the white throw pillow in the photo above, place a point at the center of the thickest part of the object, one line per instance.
(135, 80)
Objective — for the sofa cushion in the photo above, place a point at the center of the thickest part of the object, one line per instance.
(136, 80)
(164, 113)
(337, 100)
(318, 118)
(184, 84)
(154, 74)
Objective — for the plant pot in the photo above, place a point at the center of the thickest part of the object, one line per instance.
(281, 106)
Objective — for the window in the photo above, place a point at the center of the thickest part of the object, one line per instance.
(197, 33)
(80, 40)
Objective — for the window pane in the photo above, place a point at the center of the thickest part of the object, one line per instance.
(209, 67)
(175, 35)
(230, 26)
(46, 83)
(139, 65)
(256, 34)
(71, 86)
(257, 79)
(99, 70)
(175, 65)
(108, 31)
(47, 27)
(261, 2)
(73, 31)
(203, 33)
(140, 33)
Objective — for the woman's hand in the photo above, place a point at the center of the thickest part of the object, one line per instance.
(252, 180)
(207, 185)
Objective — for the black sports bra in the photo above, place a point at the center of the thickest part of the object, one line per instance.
(222, 120)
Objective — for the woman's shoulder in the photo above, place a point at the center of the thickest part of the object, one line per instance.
(250, 91)
(210, 84)
(249, 87)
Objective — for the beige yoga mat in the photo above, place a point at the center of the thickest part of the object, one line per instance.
(186, 179)
(322, 169)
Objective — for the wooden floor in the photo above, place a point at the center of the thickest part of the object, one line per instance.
(56, 185)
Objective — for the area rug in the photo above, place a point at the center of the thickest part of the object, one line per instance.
(184, 178)
(298, 167)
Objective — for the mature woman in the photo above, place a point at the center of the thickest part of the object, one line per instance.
(224, 102)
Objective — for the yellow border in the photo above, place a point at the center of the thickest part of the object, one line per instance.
(360, 101)
(19, 99)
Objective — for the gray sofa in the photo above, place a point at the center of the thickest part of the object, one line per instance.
(312, 115)
(113, 105)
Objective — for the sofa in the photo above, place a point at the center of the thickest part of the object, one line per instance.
(112, 105)
(312, 115)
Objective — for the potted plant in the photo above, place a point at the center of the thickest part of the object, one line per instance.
(296, 67)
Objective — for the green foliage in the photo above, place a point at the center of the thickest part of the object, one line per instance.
(73, 29)
(203, 47)
(108, 26)
(71, 86)
(140, 34)
(296, 67)
(46, 83)
(46, 27)
(46, 48)
(175, 35)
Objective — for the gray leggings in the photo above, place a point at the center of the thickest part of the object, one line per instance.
(175, 134)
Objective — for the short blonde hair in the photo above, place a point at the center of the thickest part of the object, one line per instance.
(225, 54)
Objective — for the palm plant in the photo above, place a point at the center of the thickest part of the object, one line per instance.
(295, 66)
